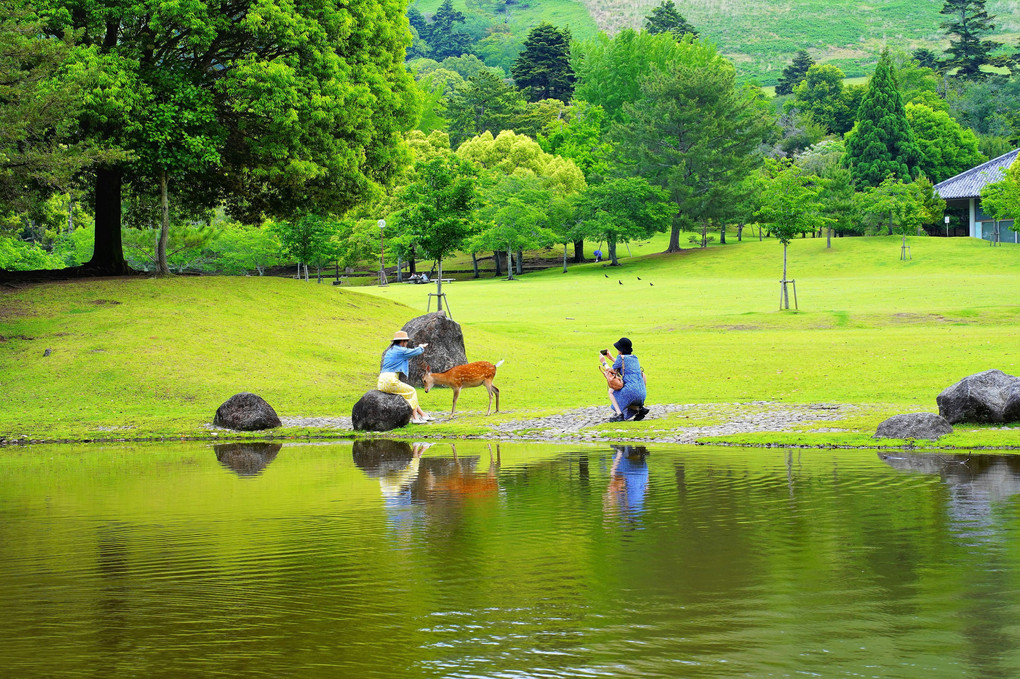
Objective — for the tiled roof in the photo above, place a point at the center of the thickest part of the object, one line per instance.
(968, 184)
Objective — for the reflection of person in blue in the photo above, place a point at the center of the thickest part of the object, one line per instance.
(628, 479)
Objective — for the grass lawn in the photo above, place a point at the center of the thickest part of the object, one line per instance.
(160, 355)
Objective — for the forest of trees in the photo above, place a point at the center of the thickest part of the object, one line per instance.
(188, 139)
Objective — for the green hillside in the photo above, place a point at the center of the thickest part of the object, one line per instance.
(760, 36)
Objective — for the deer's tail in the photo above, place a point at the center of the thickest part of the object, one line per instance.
(500, 363)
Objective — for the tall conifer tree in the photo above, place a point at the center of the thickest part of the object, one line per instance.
(795, 73)
(966, 24)
(542, 70)
(882, 142)
(666, 18)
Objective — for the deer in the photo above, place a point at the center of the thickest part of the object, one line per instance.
(467, 375)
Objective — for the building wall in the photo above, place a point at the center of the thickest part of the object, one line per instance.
(984, 226)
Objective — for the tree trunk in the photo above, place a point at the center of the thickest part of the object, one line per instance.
(499, 263)
(439, 284)
(740, 231)
(520, 263)
(674, 238)
(786, 294)
(164, 227)
(722, 233)
(70, 213)
(306, 272)
(474, 263)
(509, 265)
(108, 253)
(611, 244)
(704, 233)
(564, 258)
(828, 237)
(578, 251)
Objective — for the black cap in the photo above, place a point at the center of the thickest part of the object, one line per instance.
(623, 345)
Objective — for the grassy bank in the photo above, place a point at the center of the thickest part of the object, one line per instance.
(158, 356)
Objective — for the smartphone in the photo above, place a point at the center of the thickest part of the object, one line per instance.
(603, 351)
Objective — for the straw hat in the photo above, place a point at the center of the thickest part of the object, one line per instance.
(400, 335)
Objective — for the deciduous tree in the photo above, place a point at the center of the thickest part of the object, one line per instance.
(623, 209)
(788, 205)
(947, 148)
(305, 100)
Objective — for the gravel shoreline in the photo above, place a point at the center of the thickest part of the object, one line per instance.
(578, 424)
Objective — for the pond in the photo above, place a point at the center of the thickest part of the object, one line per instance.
(383, 559)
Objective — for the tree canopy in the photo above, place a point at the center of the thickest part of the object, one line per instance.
(265, 108)
(694, 132)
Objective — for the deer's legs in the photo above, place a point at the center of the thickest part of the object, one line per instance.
(456, 393)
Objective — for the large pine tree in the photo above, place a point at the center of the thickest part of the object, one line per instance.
(795, 73)
(542, 70)
(666, 18)
(443, 36)
(967, 23)
(882, 142)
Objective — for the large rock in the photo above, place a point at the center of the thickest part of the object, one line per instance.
(379, 411)
(246, 412)
(989, 396)
(914, 426)
(445, 345)
(246, 459)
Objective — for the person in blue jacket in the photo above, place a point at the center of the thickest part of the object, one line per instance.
(394, 362)
(633, 392)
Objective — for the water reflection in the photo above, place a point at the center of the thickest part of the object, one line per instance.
(246, 459)
(406, 478)
(976, 483)
(628, 482)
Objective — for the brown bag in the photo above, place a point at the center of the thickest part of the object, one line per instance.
(614, 380)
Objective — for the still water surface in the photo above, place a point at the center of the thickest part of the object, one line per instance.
(527, 561)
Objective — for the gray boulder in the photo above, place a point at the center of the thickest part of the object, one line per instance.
(989, 396)
(246, 412)
(379, 411)
(246, 459)
(914, 426)
(446, 345)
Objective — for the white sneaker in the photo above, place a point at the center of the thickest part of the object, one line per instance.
(429, 418)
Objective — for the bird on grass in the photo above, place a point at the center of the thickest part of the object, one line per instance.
(639, 277)
(606, 275)
(652, 284)
(620, 282)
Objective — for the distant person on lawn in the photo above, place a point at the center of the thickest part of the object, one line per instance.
(394, 362)
(629, 402)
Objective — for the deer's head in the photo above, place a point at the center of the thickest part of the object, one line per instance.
(427, 379)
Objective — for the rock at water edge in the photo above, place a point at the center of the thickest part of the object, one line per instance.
(980, 398)
(379, 411)
(246, 412)
(914, 426)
